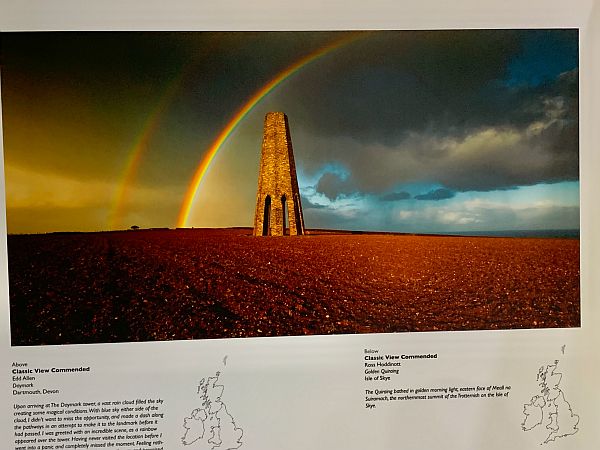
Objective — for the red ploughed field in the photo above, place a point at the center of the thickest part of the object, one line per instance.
(222, 283)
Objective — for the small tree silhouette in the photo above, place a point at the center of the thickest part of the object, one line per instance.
(135, 227)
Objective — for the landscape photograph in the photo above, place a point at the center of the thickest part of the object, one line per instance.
(200, 185)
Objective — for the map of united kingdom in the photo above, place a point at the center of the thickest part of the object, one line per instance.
(550, 409)
(211, 426)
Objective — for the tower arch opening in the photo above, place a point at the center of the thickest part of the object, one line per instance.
(267, 217)
(284, 220)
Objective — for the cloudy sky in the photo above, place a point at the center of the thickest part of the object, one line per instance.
(429, 131)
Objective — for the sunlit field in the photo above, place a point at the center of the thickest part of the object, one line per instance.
(150, 285)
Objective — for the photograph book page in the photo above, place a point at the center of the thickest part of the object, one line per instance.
(289, 227)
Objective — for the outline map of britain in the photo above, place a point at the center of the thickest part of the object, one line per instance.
(550, 409)
(211, 427)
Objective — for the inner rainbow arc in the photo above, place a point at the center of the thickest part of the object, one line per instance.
(192, 190)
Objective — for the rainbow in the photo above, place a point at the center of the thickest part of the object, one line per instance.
(193, 187)
(139, 148)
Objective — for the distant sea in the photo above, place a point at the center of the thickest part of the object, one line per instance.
(570, 234)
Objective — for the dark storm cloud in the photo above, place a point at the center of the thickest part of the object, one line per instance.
(395, 196)
(546, 151)
(386, 84)
(334, 186)
(445, 107)
(436, 194)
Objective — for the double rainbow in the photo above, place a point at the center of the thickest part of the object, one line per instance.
(121, 196)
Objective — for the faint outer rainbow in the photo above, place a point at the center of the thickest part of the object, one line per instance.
(139, 148)
(192, 190)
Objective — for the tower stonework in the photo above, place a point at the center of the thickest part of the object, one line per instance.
(278, 196)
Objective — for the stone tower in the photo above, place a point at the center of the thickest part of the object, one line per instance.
(278, 208)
